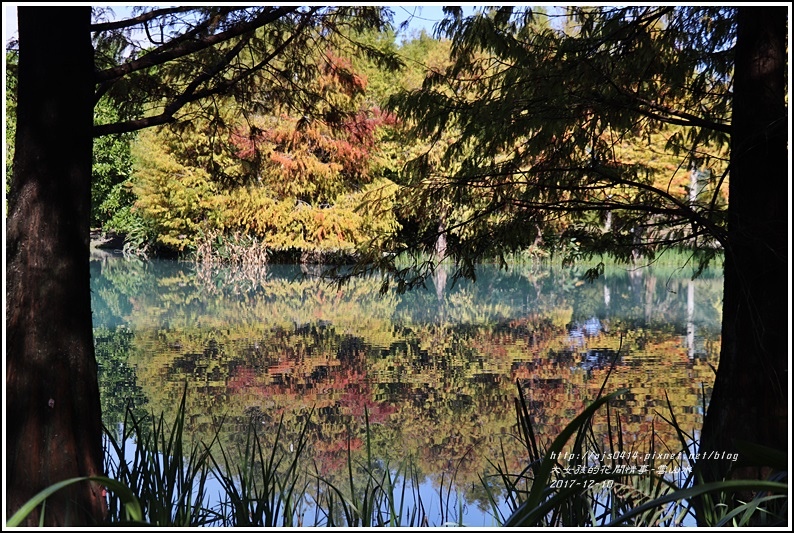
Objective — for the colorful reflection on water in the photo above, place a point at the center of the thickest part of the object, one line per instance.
(434, 370)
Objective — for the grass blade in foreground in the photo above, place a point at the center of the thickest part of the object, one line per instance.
(132, 507)
(530, 512)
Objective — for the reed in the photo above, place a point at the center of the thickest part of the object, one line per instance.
(214, 247)
(165, 482)
(591, 486)
(266, 489)
(168, 478)
(375, 495)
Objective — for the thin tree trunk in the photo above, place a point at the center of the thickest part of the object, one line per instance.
(750, 401)
(54, 428)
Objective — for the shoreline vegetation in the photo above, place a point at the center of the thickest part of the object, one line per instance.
(249, 252)
(216, 250)
(577, 480)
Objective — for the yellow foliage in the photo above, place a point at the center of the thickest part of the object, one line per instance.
(289, 224)
(176, 200)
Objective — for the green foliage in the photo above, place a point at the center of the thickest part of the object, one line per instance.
(547, 136)
(120, 205)
(11, 113)
(110, 172)
(174, 199)
(132, 509)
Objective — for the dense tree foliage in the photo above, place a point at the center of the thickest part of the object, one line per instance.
(554, 137)
(188, 55)
(112, 166)
(541, 122)
(309, 188)
(297, 184)
(620, 131)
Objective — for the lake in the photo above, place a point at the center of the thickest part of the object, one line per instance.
(434, 370)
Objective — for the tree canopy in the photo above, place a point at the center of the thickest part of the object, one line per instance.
(194, 54)
(189, 55)
(586, 131)
(537, 132)
(584, 136)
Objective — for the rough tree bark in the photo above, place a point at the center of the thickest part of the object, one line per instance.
(53, 414)
(750, 401)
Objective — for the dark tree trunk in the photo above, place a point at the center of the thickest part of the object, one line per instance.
(750, 401)
(54, 427)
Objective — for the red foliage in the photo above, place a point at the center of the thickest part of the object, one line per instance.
(340, 70)
(343, 140)
(242, 379)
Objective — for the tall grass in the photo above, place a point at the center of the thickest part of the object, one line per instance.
(260, 485)
(266, 489)
(377, 495)
(163, 481)
(588, 483)
(168, 479)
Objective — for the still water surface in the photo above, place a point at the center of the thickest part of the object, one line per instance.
(434, 370)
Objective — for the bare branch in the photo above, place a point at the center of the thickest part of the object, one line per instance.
(190, 94)
(160, 56)
(140, 19)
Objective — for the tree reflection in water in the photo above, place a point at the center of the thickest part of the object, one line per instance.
(434, 369)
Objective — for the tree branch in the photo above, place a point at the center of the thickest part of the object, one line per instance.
(611, 178)
(161, 55)
(105, 86)
(191, 95)
(145, 17)
(672, 116)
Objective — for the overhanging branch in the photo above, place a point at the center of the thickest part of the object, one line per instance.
(160, 55)
(140, 19)
(191, 94)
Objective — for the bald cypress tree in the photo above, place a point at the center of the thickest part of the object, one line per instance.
(53, 420)
(589, 135)
(163, 60)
